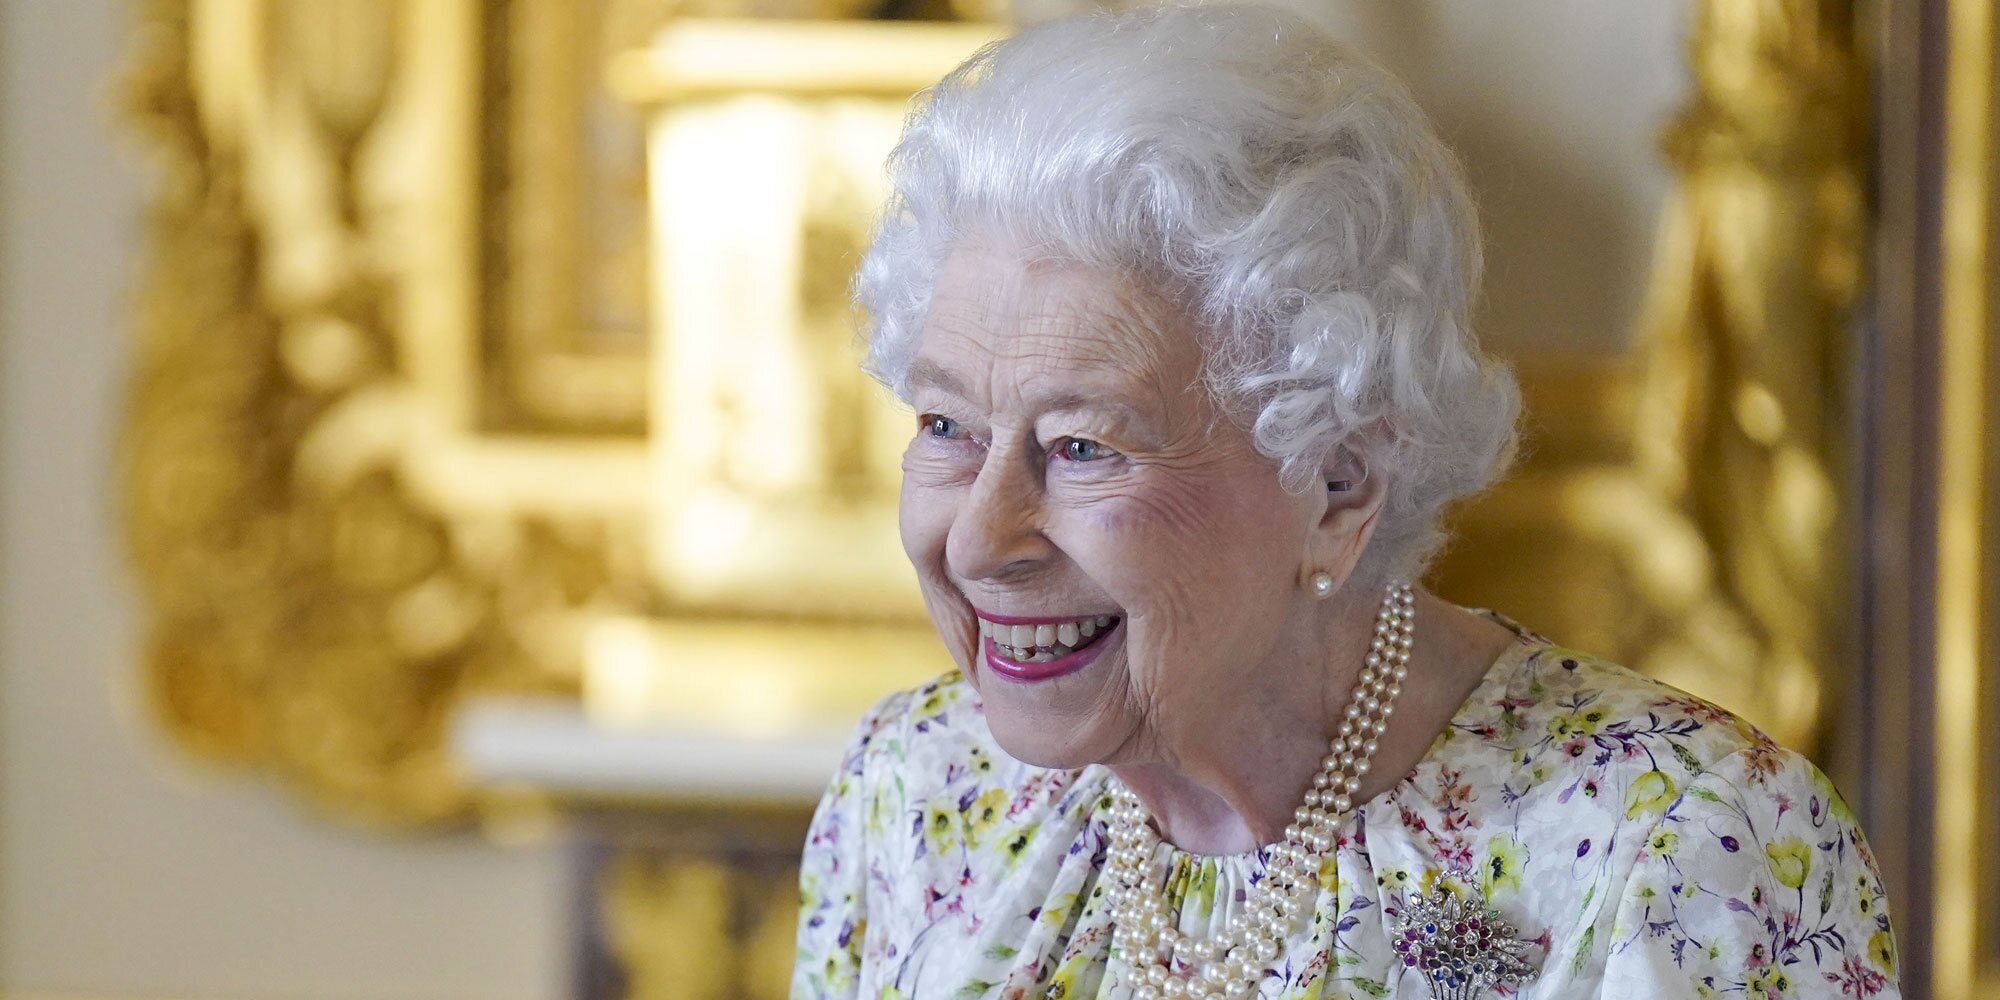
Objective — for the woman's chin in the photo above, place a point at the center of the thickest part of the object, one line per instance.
(1041, 745)
(1045, 727)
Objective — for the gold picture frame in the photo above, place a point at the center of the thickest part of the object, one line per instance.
(347, 501)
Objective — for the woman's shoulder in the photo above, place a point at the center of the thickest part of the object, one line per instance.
(1568, 778)
(1577, 723)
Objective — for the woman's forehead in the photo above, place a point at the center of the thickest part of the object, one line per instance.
(989, 310)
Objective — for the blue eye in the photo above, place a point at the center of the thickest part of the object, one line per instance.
(937, 426)
(1083, 450)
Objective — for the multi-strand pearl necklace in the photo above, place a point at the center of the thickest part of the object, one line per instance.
(1230, 964)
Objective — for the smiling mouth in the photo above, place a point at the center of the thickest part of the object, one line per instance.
(1045, 642)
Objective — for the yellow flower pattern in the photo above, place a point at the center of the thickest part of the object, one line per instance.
(1650, 793)
(1791, 861)
(1643, 842)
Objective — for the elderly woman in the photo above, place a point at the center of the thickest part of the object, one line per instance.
(1179, 300)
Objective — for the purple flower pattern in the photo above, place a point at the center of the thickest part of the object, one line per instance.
(1642, 841)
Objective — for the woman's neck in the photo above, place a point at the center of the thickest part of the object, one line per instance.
(1234, 784)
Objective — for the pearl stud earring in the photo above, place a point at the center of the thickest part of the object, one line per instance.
(1322, 584)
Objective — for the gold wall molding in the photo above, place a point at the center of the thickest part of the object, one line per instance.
(1965, 917)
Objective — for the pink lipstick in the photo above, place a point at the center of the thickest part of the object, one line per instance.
(1042, 670)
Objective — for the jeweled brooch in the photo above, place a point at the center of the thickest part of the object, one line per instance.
(1452, 938)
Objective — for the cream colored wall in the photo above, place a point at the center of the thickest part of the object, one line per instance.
(124, 872)
(1555, 107)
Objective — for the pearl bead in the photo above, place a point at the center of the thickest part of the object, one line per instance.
(1233, 961)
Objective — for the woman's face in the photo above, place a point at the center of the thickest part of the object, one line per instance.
(1107, 557)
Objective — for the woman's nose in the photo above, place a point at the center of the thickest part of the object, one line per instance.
(997, 533)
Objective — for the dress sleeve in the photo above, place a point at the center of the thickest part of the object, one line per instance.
(1756, 883)
(840, 862)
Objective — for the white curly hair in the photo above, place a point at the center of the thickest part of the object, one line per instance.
(1287, 192)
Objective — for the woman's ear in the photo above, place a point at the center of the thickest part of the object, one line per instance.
(1351, 496)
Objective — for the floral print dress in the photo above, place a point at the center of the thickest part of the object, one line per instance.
(1643, 842)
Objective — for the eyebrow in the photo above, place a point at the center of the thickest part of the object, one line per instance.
(1075, 402)
(925, 372)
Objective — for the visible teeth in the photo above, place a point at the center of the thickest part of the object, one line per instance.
(1042, 643)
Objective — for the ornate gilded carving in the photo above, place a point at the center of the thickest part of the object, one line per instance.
(1697, 542)
(1738, 430)
(385, 444)
(311, 609)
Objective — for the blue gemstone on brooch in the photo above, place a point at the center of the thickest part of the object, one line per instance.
(1459, 944)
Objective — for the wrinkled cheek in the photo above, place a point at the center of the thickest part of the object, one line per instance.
(1144, 556)
(924, 520)
(954, 625)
